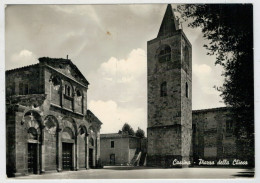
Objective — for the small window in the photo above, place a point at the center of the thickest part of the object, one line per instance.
(229, 128)
(187, 90)
(112, 144)
(163, 89)
(26, 89)
(20, 88)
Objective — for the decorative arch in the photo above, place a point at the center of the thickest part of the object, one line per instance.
(55, 81)
(32, 119)
(69, 122)
(164, 53)
(82, 130)
(68, 133)
(51, 124)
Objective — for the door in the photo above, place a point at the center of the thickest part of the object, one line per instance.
(112, 159)
(90, 158)
(32, 158)
(66, 156)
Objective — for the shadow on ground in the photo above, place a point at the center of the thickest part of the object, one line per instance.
(128, 167)
(247, 173)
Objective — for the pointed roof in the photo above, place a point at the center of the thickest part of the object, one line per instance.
(169, 23)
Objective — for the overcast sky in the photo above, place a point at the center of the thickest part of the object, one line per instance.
(108, 45)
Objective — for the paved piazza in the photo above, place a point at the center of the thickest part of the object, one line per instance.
(147, 173)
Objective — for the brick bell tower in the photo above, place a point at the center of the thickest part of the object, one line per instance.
(169, 95)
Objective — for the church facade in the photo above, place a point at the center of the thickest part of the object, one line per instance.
(48, 124)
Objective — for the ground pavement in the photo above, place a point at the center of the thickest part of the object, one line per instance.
(121, 172)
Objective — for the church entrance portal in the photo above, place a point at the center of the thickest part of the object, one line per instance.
(32, 158)
(67, 156)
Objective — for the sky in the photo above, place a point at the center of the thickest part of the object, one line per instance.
(108, 45)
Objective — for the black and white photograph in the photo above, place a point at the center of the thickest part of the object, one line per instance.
(129, 91)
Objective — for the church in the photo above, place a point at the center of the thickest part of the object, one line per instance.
(48, 124)
(175, 133)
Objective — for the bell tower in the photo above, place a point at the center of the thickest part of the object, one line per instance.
(169, 94)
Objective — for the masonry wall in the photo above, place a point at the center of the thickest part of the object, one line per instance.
(211, 141)
(121, 150)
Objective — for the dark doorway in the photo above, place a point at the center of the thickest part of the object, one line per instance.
(90, 158)
(66, 156)
(112, 159)
(32, 158)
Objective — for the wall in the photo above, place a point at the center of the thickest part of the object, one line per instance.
(211, 142)
(121, 150)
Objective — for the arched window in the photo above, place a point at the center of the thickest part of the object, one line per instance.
(163, 89)
(67, 90)
(187, 90)
(186, 55)
(164, 54)
(91, 141)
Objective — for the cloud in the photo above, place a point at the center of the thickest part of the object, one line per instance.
(202, 69)
(121, 80)
(125, 70)
(22, 58)
(113, 117)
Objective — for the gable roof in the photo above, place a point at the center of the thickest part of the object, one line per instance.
(49, 61)
(169, 23)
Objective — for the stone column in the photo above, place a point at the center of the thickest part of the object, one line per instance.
(59, 151)
(74, 156)
(87, 152)
(38, 155)
(43, 151)
(77, 154)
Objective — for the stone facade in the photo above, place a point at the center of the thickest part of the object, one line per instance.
(213, 135)
(48, 125)
(120, 149)
(169, 94)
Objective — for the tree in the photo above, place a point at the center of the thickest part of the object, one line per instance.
(128, 129)
(139, 133)
(229, 29)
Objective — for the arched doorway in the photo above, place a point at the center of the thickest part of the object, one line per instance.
(91, 153)
(32, 120)
(67, 148)
(68, 144)
(82, 146)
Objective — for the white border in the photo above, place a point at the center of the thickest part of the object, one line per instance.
(256, 4)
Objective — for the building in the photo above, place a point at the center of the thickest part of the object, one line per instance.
(48, 124)
(213, 135)
(122, 149)
(175, 133)
(169, 72)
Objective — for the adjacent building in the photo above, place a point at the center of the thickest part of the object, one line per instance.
(48, 124)
(122, 149)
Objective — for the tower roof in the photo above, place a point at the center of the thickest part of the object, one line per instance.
(169, 23)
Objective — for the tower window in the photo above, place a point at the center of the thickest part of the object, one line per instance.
(165, 54)
(187, 90)
(163, 89)
(186, 56)
(112, 144)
